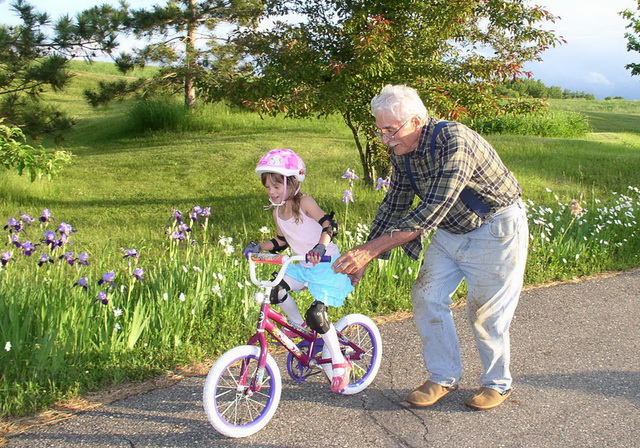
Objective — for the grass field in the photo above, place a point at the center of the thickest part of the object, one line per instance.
(124, 185)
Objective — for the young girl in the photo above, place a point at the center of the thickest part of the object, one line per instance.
(302, 225)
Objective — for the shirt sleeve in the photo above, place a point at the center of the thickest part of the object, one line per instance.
(394, 206)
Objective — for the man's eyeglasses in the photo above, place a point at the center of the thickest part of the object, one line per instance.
(390, 134)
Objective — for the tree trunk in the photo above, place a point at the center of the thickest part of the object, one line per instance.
(365, 154)
(190, 50)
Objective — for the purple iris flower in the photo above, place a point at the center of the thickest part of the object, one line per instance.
(178, 236)
(206, 212)
(28, 248)
(13, 225)
(46, 216)
(83, 259)
(195, 212)
(177, 215)
(69, 257)
(108, 277)
(102, 297)
(350, 174)
(50, 239)
(27, 219)
(348, 196)
(130, 253)
(382, 183)
(15, 239)
(184, 228)
(82, 282)
(44, 258)
(66, 229)
(5, 258)
(138, 273)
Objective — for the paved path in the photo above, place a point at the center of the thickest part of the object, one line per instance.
(576, 364)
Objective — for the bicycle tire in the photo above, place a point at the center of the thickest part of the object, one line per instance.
(229, 409)
(364, 332)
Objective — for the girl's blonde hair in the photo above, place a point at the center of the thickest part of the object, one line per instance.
(293, 192)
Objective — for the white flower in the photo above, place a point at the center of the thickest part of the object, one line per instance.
(182, 297)
(225, 240)
(117, 327)
(117, 312)
(228, 250)
(217, 291)
(185, 269)
(264, 229)
(165, 296)
(548, 190)
(197, 269)
(7, 346)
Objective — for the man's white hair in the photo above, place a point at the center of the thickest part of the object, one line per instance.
(403, 102)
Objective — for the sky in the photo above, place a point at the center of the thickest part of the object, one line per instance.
(591, 61)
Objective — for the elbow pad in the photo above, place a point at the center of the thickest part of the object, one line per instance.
(329, 225)
(278, 246)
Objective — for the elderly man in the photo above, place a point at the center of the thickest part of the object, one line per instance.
(473, 202)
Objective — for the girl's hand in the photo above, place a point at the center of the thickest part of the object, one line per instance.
(250, 249)
(315, 254)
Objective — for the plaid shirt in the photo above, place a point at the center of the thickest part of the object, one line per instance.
(462, 158)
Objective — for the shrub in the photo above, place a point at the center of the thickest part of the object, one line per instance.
(559, 124)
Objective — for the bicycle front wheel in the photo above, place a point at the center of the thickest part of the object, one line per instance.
(232, 407)
(362, 331)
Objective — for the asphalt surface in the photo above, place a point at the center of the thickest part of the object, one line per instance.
(576, 367)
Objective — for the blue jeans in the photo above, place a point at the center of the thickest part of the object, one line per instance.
(492, 259)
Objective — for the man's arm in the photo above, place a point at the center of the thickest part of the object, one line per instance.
(355, 261)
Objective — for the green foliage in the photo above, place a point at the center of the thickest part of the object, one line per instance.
(25, 159)
(633, 36)
(339, 56)
(171, 32)
(537, 89)
(34, 58)
(559, 124)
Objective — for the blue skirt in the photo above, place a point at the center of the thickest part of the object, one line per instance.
(323, 284)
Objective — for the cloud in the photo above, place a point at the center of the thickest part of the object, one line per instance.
(598, 78)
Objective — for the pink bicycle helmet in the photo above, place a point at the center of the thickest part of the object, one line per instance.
(282, 161)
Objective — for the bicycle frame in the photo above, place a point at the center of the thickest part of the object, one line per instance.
(268, 316)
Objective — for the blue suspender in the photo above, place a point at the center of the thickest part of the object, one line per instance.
(467, 196)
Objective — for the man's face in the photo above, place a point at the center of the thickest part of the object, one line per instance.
(402, 136)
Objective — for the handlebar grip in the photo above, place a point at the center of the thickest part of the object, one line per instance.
(323, 259)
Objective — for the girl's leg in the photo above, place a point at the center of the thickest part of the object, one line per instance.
(288, 304)
(340, 366)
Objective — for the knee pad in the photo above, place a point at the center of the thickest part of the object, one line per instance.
(317, 318)
(276, 295)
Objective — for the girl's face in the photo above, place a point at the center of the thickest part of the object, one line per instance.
(275, 191)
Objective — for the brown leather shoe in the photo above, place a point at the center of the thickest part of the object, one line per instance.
(487, 398)
(429, 393)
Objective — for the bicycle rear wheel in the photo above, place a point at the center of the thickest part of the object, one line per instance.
(362, 331)
(231, 407)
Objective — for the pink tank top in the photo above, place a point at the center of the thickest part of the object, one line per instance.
(304, 235)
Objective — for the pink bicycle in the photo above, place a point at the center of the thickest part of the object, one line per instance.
(242, 390)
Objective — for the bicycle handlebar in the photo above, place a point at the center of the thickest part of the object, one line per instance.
(279, 259)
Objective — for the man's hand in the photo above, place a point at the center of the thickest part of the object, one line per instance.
(354, 262)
